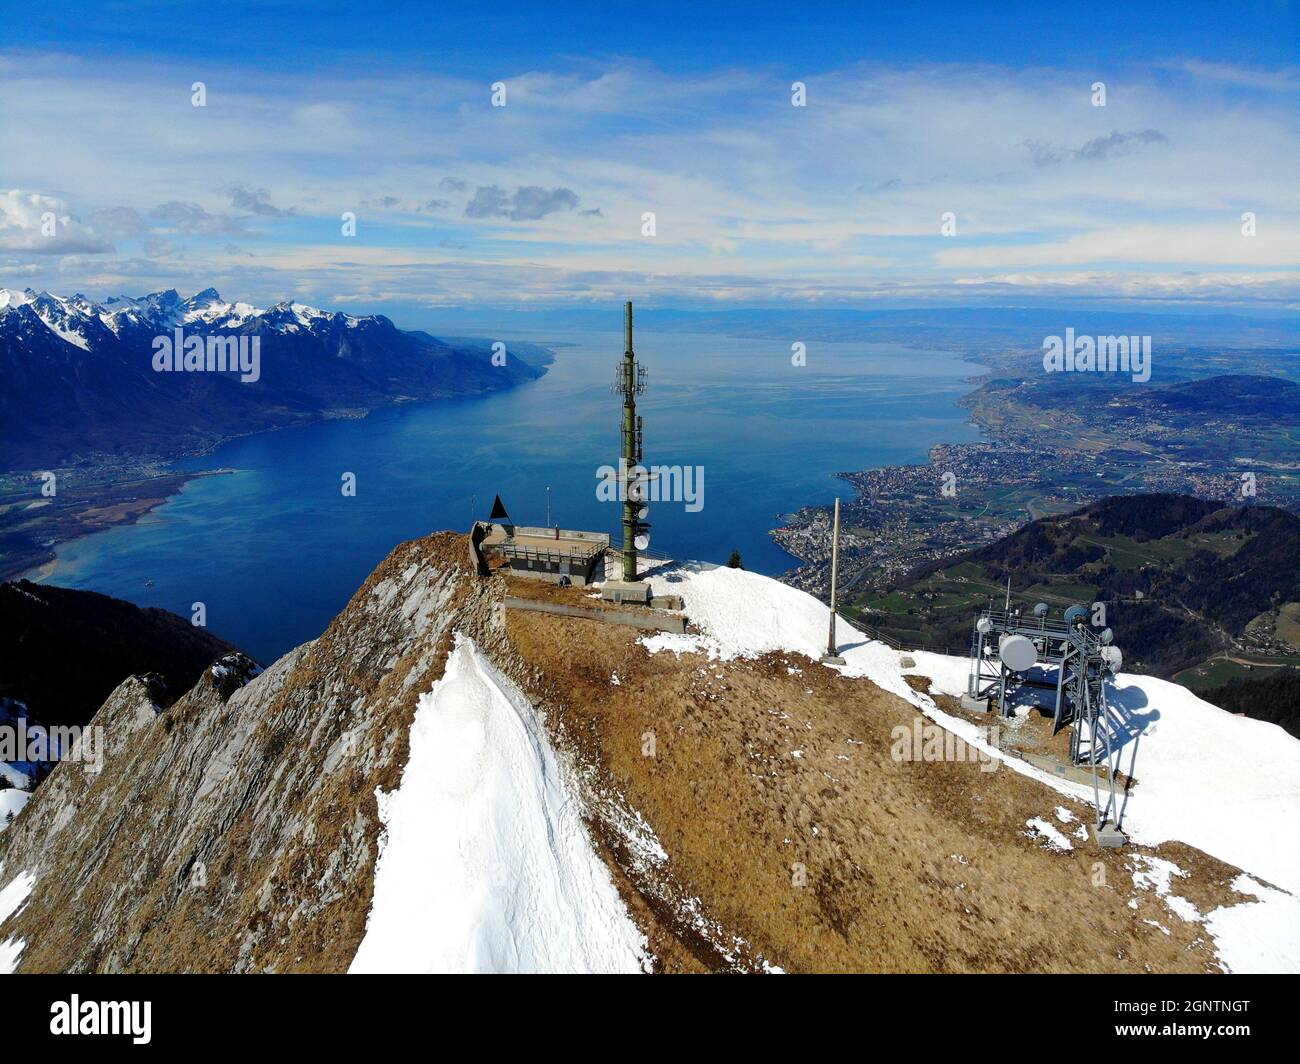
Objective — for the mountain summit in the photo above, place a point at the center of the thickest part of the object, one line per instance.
(444, 780)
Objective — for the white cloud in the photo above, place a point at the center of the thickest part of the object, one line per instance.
(41, 225)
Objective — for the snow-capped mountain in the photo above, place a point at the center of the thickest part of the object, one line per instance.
(81, 376)
(78, 320)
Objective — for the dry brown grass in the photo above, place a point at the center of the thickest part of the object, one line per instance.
(910, 866)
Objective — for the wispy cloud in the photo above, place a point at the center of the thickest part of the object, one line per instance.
(526, 204)
(256, 201)
(191, 219)
(1286, 79)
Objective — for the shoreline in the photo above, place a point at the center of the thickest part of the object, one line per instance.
(90, 516)
(805, 519)
(1033, 460)
(114, 496)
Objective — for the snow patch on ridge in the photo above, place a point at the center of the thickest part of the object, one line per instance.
(12, 898)
(485, 864)
(1053, 839)
(1261, 937)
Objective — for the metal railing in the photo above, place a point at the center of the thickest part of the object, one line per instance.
(895, 644)
(549, 554)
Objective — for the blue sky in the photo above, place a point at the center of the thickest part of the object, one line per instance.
(982, 114)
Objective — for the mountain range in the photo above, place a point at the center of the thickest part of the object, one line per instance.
(80, 376)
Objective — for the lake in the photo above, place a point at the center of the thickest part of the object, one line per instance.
(275, 550)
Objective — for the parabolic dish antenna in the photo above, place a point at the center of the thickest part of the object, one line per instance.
(1017, 652)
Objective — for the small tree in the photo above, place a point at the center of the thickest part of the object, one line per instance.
(734, 561)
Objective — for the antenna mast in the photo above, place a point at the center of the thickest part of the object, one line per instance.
(630, 383)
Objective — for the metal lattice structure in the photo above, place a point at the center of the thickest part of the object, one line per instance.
(629, 382)
(1006, 647)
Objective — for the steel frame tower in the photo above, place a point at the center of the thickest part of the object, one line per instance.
(629, 383)
(1081, 659)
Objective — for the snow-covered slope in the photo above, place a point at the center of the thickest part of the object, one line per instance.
(15, 793)
(12, 898)
(485, 865)
(1225, 784)
(1228, 785)
(12, 801)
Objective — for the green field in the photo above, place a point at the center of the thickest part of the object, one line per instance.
(1288, 623)
(1217, 671)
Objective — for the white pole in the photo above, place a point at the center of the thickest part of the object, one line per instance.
(835, 567)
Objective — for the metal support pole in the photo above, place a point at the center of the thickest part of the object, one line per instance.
(831, 656)
(835, 574)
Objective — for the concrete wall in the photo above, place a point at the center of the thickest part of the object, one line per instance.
(654, 622)
(569, 534)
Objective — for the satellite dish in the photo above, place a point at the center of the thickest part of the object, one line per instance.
(1106, 636)
(983, 626)
(1040, 610)
(1075, 613)
(1017, 653)
(1112, 657)
(642, 542)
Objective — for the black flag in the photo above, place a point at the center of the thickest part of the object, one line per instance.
(498, 511)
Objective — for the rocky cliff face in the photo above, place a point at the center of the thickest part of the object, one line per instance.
(237, 829)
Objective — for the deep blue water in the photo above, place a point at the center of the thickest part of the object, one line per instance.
(275, 549)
